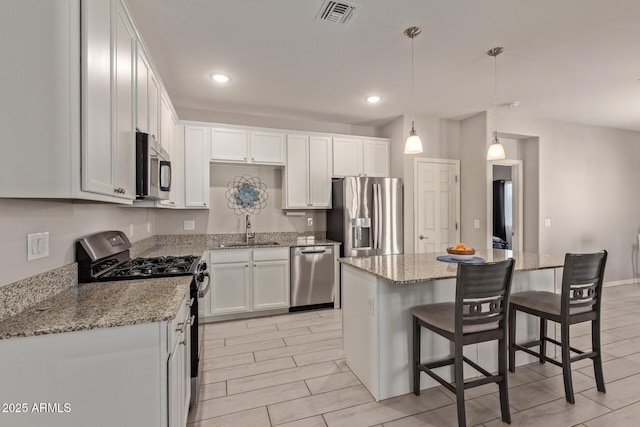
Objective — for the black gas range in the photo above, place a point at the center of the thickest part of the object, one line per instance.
(104, 257)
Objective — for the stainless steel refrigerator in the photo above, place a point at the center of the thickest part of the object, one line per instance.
(366, 216)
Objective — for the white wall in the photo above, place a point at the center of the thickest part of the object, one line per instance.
(474, 135)
(440, 140)
(66, 221)
(221, 219)
(585, 180)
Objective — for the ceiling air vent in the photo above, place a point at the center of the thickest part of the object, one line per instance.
(337, 12)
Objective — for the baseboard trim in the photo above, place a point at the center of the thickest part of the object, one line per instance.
(620, 283)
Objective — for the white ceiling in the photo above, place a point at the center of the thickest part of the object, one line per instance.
(571, 60)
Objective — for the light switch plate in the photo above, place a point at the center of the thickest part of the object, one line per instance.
(476, 223)
(37, 245)
(547, 223)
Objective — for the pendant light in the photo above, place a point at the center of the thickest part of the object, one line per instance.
(496, 150)
(413, 144)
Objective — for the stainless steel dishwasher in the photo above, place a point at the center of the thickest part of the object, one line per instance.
(312, 276)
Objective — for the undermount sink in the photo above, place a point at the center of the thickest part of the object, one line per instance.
(245, 244)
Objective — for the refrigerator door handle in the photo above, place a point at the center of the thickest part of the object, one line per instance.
(377, 221)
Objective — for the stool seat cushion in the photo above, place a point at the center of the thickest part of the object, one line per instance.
(546, 302)
(442, 316)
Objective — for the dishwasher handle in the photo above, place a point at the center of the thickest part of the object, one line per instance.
(314, 251)
(311, 250)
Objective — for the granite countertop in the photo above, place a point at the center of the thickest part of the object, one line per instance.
(414, 268)
(100, 305)
(118, 303)
(281, 243)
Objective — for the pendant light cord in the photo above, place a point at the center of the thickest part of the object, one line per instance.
(495, 97)
(412, 86)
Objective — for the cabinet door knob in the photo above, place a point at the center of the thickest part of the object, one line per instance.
(421, 237)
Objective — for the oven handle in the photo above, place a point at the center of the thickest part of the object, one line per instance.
(203, 292)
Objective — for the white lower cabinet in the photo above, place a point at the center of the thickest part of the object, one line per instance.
(134, 375)
(230, 293)
(247, 280)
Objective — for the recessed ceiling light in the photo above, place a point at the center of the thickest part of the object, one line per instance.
(373, 99)
(220, 78)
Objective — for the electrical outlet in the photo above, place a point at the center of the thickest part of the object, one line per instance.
(190, 225)
(476, 223)
(371, 305)
(309, 222)
(130, 230)
(37, 245)
(148, 227)
(547, 223)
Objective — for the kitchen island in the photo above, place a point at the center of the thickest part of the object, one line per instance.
(377, 296)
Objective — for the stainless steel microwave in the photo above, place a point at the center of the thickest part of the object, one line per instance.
(153, 169)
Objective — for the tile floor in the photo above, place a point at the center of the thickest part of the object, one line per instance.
(289, 370)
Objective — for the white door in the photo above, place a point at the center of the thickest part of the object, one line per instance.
(437, 205)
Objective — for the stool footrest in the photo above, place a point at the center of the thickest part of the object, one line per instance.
(488, 377)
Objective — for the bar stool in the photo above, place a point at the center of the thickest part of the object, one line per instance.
(477, 315)
(578, 302)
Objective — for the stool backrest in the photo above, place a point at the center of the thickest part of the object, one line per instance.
(582, 282)
(482, 293)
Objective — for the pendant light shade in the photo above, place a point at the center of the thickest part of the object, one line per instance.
(413, 144)
(496, 150)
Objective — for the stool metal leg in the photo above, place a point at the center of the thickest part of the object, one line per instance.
(543, 342)
(503, 385)
(459, 384)
(512, 338)
(416, 356)
(597, 360)
(566, 362)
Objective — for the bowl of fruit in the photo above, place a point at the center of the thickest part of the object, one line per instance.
(461, 252)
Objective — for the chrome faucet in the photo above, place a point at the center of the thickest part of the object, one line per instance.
(250, 235)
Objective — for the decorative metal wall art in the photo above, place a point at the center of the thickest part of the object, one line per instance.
(246, 195)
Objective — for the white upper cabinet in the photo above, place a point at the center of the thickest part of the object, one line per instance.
(142, 91)
(308, 172)
(196, 167)
(239, 145)
(166, 123)
(154, 106)
(375, 158)
(267, 147)
(347, 157)
(361, 157)
(229, 145)
(108, 117)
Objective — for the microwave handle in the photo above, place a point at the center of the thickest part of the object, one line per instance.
(165, 164)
